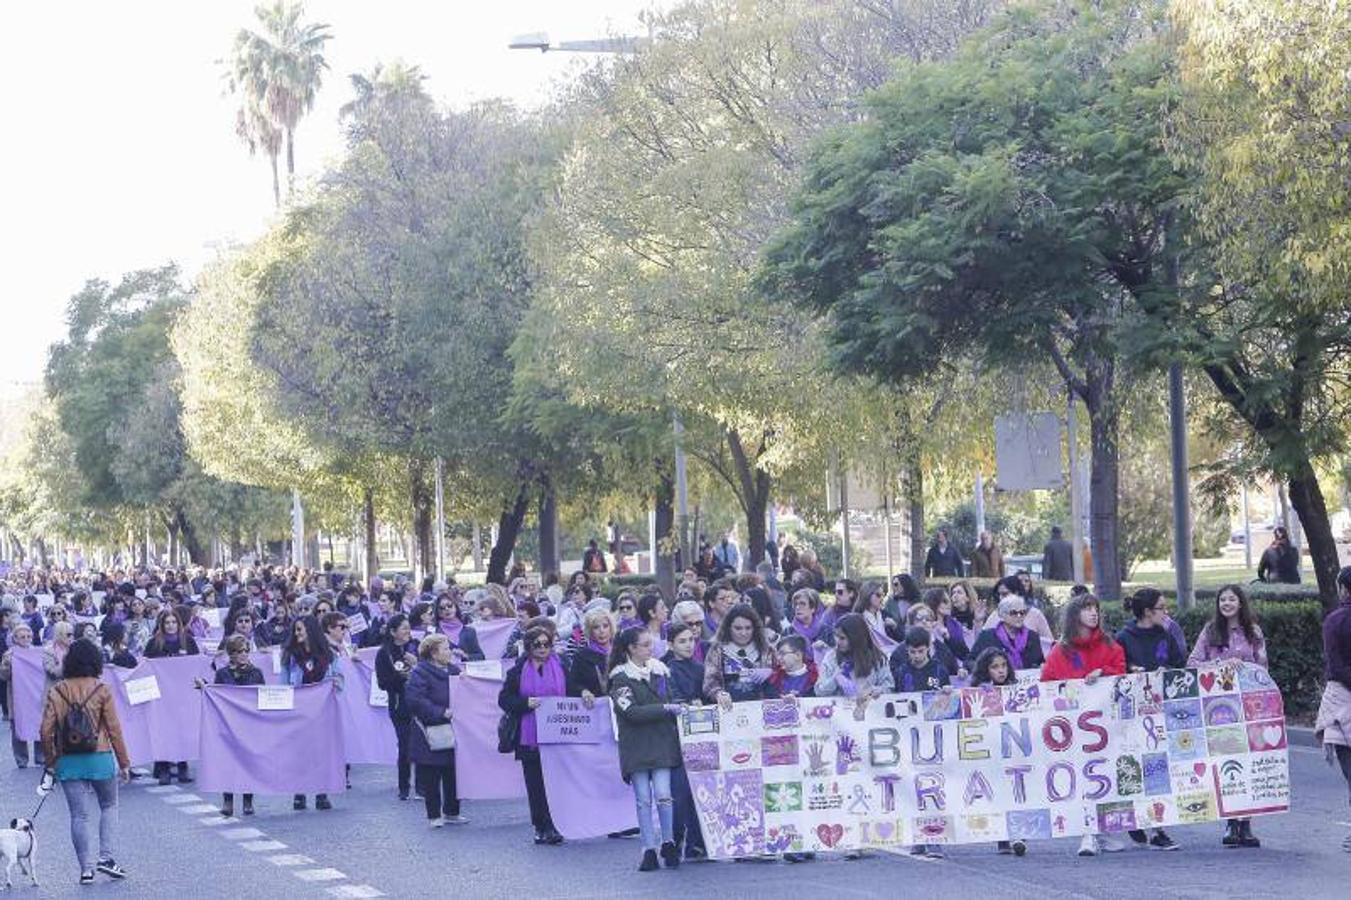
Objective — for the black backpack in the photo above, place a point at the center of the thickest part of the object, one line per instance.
(77, 732)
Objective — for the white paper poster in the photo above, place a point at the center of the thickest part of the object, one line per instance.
(142, 690)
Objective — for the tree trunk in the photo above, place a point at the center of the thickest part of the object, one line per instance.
(368, 527)
(1104, 481)
(663, 564)
(548, 529)
(276, 181)
(1307, 499)
(191, 540)
(41, 547)
(290, 161)
(424, 501)
(508, 527)
(752, 485)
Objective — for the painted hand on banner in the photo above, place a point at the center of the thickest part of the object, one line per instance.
(588, 699)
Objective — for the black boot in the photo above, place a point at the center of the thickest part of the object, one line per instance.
(649, 863)
(248, 804)
(670, 855)
(1245, 836)
(298, 803)
(163, 774)
(227, 808)
(1231, 832)
(321, 802)
(183, 776)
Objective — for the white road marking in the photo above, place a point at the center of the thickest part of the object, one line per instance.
(181, 798)
(217, 820)
(197, 809)
(267, 846)
(318, 875)
(290, 859)
(242, 834)
(356, 891)
(162, 789)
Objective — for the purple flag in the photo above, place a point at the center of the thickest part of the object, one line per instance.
(368, 733)
(481, 773)
(587, 795)
(294, 751)
(30, 690)
(493, 635)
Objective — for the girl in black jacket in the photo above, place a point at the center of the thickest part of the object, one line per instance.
(649, 743)
(686, 684)
(393, 664)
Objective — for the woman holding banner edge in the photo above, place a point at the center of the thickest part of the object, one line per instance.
(170, 639)
(393, 664)
(539, 673)
(427, 695)
(649, 743)
(308, 659)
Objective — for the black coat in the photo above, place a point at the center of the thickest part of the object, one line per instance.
(428, 697)
(187, 646)
(943, 562)
(648, 738)
(687, 679)
(510, 700)
(587, 672)
(392, 678)
(247, 676)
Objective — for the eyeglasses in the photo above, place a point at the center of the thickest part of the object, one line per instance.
(1017, 612)
(542, 644)
(626, 608)
(840, 592)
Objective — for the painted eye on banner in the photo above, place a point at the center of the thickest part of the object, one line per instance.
(1195, 806)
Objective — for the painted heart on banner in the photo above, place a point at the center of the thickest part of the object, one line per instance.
(830, 835)
(1207, 681)
(1200, 769)
(1272, 735)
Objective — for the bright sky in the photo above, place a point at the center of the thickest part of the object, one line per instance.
(120, 151)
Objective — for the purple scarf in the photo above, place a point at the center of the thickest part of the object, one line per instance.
(1014, 645)
(451, 628)
(809, 632)
(956, 634)
(534, 683)
(626, 623)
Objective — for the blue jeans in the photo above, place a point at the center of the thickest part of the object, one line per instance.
(77, 798)
(650, 784)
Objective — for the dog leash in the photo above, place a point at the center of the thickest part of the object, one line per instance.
(43, 794)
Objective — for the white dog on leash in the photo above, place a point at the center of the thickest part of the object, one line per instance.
(18, 844)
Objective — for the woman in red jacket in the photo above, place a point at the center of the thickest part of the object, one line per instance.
(1086, 651)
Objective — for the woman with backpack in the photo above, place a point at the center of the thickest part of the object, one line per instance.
(82, 743)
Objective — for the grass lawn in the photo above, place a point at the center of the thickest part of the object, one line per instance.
(1226, 569)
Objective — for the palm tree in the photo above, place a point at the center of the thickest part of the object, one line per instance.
(385, 86)
(277, 71)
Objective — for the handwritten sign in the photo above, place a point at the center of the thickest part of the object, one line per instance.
(356, 623)
(377, 697)
(276, 697)
(142, 690)
(211, 615)
(566, 720)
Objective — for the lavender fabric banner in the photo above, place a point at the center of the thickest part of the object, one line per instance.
(295, 751)
(493, 636)
(368, 735)
(166, 728)
(587, 795)
(30, 689)
(481, 773)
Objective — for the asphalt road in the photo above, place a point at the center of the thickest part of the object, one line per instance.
(174, 844)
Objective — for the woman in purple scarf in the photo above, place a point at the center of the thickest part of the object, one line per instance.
(1012, 637)
(539, 673)
(950, 630)
(809, 622)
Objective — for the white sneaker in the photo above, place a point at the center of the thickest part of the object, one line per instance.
(1088, 846)
(1111, 843)
(455, 820)
(435, 823)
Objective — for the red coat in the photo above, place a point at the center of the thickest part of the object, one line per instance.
(1092, 651)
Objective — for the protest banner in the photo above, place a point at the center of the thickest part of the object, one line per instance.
(566, 720)
(29, 681)
(368, 735)
(587, 796)
(1029, 761)
(245, 749)
(481, 773)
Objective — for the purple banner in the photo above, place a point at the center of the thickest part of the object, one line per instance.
(587, 795)
(30, 690)
(368, 734)
(295, 751)
(481, 773)
(493, 636)
(165, 728)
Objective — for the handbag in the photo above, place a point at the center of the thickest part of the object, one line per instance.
(508, 733)
(439, 737)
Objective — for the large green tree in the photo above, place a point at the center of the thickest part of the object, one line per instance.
(1010, 201)
(1263, 124)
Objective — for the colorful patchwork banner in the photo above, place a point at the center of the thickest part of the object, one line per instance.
(1030, 761)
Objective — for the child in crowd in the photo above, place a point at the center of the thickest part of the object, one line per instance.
(993, 669)
(794, 673)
